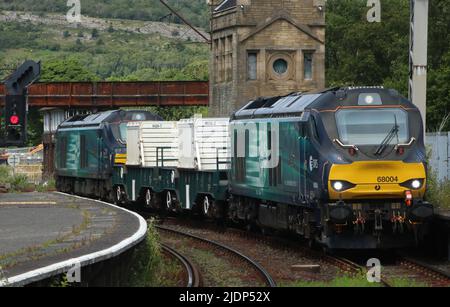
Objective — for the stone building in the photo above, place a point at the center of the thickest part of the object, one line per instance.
(264, 48)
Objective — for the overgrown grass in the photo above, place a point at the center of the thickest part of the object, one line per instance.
(404, 283)
(359, 281)
(147, 261)
(438, 192)
(46, 186)
(17, 182)
(20, 182)
(339, 281)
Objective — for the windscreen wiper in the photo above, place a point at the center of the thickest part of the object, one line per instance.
(388, 139)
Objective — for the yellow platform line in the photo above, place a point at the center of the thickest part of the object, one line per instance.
(27, 203)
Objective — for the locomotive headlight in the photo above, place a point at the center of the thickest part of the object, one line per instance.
(416, 184)
(369, 99)
(341, 185)
(338, 186)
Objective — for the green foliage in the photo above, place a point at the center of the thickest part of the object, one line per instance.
(17, 183)
(438, 193)
(94, 33)
(196, 11)
(146, 262)
(5, 173)
(68, 69)
(35, 127)
(340, 281)
(48, 186)
(362, 53)
(357, 52)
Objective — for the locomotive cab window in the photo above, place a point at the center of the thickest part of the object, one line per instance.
(371, 126)
(120, 132)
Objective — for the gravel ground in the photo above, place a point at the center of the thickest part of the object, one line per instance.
(216, 267)
(276, 260)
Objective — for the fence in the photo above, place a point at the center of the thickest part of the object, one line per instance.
(438, 151)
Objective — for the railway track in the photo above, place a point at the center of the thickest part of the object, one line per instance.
(193, 276)
(261, 271)
(404, 268)
(418, 271)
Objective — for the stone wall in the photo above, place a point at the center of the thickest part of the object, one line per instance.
(286, 32)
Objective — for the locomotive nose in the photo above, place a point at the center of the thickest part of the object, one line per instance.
(376, 180)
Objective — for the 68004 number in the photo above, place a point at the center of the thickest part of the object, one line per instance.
(384, 179)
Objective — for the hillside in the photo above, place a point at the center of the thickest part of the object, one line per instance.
(148, 10)
(106, 48)
(134, 48)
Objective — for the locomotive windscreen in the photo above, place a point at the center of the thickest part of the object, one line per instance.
(371, 126)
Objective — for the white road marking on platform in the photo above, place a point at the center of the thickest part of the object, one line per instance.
(28, 203)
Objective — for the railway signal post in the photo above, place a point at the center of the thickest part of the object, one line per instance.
(16, 103)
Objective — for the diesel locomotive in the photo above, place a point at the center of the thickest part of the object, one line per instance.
(343, 167)
(86, 146)
(347, 167)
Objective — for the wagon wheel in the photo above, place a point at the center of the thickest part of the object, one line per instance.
(118, 195)
(208, 206)
(148, 198)
(169, 200)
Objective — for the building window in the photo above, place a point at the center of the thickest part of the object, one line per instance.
(280, 66)
(308, 65)
(252, 65)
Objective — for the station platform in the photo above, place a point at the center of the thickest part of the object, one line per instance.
(46, 234)
(443, 214)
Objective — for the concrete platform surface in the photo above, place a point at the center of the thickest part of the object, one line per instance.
(45, 234)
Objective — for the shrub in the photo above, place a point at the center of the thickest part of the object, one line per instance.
(94, 33)
(147, 261)
(19, 183)
(5, 173)
(438, 192)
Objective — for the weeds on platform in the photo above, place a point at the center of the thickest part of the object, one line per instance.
(47, 186)
(20, 183)
(146, 261)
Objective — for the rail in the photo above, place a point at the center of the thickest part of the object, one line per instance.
(193, 275)
(263, 273)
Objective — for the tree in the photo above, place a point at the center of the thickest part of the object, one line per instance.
(69, 69)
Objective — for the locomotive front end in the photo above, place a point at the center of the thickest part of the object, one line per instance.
(376, 179)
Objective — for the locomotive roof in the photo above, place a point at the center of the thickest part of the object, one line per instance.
(112, 116)
(331, 99)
